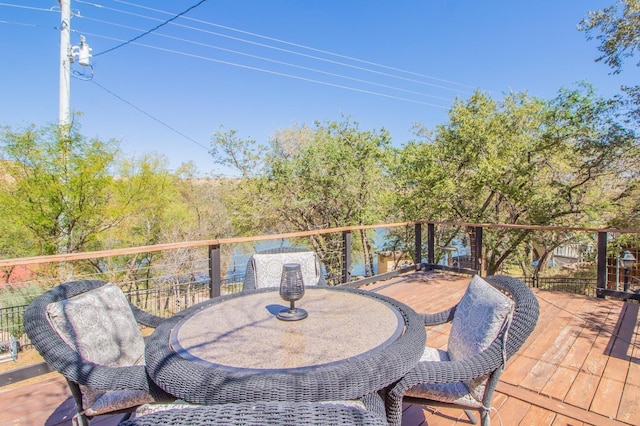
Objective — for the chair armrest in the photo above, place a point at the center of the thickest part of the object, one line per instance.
(439, 317)
(112, 378)
(442, 372)
(453, 371)
(145, 318)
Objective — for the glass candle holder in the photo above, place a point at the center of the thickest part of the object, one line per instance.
(291, 289)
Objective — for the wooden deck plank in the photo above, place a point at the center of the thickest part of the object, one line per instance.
(518, 368)
(561, 420)
(513, 409)
(553, 347)
(537, 416)
(553, 405)
(412, 415)
(524, 368)
(629, 403)
(578, 352)
(596, 360)
(588, 348)
(607, 397)
(616, 369)
(24, 407)
(608, 394)
(583, 389)
(560, 383)
(570, 356)
(587, 382)
(623, 343)
(447, 416)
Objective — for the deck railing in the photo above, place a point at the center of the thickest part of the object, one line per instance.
(167, 278)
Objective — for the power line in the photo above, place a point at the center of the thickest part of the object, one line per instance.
(151, 30)
(298, 45)
(27, 25)
(149, 115)
(288, 50)
(278, 73)
(276, 61)
(19, 6)
(261, 45)
(325, 60)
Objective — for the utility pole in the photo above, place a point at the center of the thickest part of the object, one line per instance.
(64, 117)
(68, 54)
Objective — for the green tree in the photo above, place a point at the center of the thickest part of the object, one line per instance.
(517, 161)
(327, 176)
(618, 30)
(64, 193)
(57, 187)
(154, 206)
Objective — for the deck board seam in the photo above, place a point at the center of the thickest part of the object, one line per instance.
(555, 405)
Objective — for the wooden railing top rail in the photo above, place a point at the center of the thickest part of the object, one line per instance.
(215, 242)
(535, 227)
(185, 244)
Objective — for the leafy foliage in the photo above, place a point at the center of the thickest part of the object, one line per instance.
(57, 187)
(306, 178)
(517, 161)
(618, 29)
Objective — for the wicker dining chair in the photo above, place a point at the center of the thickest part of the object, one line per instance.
(489, 325)
(367, 411)
(264, 268)
(88, 332)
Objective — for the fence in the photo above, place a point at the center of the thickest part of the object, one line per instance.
(163, 302)
(11, 325)
(166, 278)
(574, 285)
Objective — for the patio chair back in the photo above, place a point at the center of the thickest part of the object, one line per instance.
(88, 332)
(264, 269)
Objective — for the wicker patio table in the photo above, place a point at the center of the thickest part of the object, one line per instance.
(234, 349)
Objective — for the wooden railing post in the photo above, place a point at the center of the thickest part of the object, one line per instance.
(418, 246)
(431, 244)
(346, 256)
(215, 271)
(601, 283)
(477, 259)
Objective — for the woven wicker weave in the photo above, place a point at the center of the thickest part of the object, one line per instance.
(270, 413)
(489, 361)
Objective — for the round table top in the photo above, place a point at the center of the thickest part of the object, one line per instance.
(234, 349)
(244, 332)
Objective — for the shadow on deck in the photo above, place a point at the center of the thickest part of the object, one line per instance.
(579, 367)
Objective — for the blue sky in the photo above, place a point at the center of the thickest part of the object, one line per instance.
(258, 66)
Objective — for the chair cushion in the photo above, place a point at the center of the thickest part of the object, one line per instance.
(100, 326)
(147, 409)
(263, 413)
(482, 314)
(457, 392)
(268, 267)
(98, 402)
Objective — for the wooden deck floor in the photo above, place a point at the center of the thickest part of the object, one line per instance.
(581, 366)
